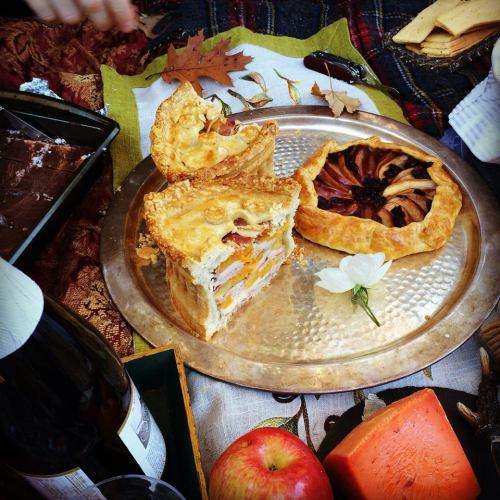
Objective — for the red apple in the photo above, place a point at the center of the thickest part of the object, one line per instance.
(268, 463)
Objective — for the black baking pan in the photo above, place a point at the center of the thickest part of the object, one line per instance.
(77, 126)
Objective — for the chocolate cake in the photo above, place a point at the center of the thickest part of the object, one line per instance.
(32, 174)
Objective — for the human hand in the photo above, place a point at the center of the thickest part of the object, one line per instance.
(104, 14)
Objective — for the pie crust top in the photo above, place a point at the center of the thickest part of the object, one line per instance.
(189, 220)
(370, 196)
(191, 138)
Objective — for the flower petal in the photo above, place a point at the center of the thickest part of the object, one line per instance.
(360, 267)
(378, 274)
(334, 280)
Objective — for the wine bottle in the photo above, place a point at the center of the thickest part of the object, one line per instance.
(70, 416)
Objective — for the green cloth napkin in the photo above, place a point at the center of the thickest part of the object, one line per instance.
(125, 150)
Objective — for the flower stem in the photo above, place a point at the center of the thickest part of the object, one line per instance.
(359, 296)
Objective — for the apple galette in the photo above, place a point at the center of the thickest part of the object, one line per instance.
(192, 139)
(223, 240)
(370, 196)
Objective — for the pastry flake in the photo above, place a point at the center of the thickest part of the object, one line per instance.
(369, 196)
(223, 240)
(192, 139)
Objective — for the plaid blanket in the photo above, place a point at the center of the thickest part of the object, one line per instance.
(70, 56)
(427, 96)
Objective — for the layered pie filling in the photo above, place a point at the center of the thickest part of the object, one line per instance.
(386, 186)
(250, 267)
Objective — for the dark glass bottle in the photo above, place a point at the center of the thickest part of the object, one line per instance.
(68, 410)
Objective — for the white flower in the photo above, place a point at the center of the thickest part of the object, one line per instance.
(363, 270)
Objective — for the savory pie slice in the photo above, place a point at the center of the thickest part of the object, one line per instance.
(192, 139)
(370, 196)
(223, 240)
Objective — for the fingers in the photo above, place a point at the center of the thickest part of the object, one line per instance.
(43, 10)
(67, 11)
(104, 14)
(107, 13)
(97, 13)
(123, 14)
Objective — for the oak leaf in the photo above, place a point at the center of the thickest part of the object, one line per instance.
(337, 100)
(191, 64)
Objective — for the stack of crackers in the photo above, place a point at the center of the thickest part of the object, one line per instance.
(448, 27)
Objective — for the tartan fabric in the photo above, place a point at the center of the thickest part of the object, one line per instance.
(427, 96)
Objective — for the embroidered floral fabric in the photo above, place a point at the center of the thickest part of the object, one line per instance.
(69, 57)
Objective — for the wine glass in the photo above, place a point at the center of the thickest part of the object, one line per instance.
(131, 487)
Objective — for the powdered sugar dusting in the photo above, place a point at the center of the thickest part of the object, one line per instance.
(37, 160)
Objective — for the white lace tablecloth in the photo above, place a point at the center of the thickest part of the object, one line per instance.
(223, 411)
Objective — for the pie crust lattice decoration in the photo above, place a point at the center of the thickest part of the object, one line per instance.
(369, 196)
(192, 139)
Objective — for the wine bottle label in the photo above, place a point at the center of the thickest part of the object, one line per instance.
(21, 307)
(60, 486)
(141, 435)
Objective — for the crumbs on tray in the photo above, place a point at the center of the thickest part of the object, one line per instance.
(298, 253)
(146, 248)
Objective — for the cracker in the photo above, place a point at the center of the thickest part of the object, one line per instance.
(423, 24)
(469, 15)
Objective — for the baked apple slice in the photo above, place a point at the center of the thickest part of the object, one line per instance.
(370, 196)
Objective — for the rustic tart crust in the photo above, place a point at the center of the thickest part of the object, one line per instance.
(191, 139)
(353, 234)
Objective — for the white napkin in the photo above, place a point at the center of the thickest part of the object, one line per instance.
(148, 99)
(476, 119)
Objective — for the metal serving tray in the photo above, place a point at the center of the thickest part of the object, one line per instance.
(294, 336)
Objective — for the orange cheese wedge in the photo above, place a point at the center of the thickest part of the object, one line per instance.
(407, 450)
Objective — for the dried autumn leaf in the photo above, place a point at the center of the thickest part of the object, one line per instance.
(337, 100)
(257, 101)
(351, 103)
(372, 404)
(315, 90)
(147, 24)
(191, 64)
(428, 372)
(260, 100)
(290, 424)
(225, 108)
(293, 91)
(256, 78)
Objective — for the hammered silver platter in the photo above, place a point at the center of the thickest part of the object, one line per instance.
(295, 337)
